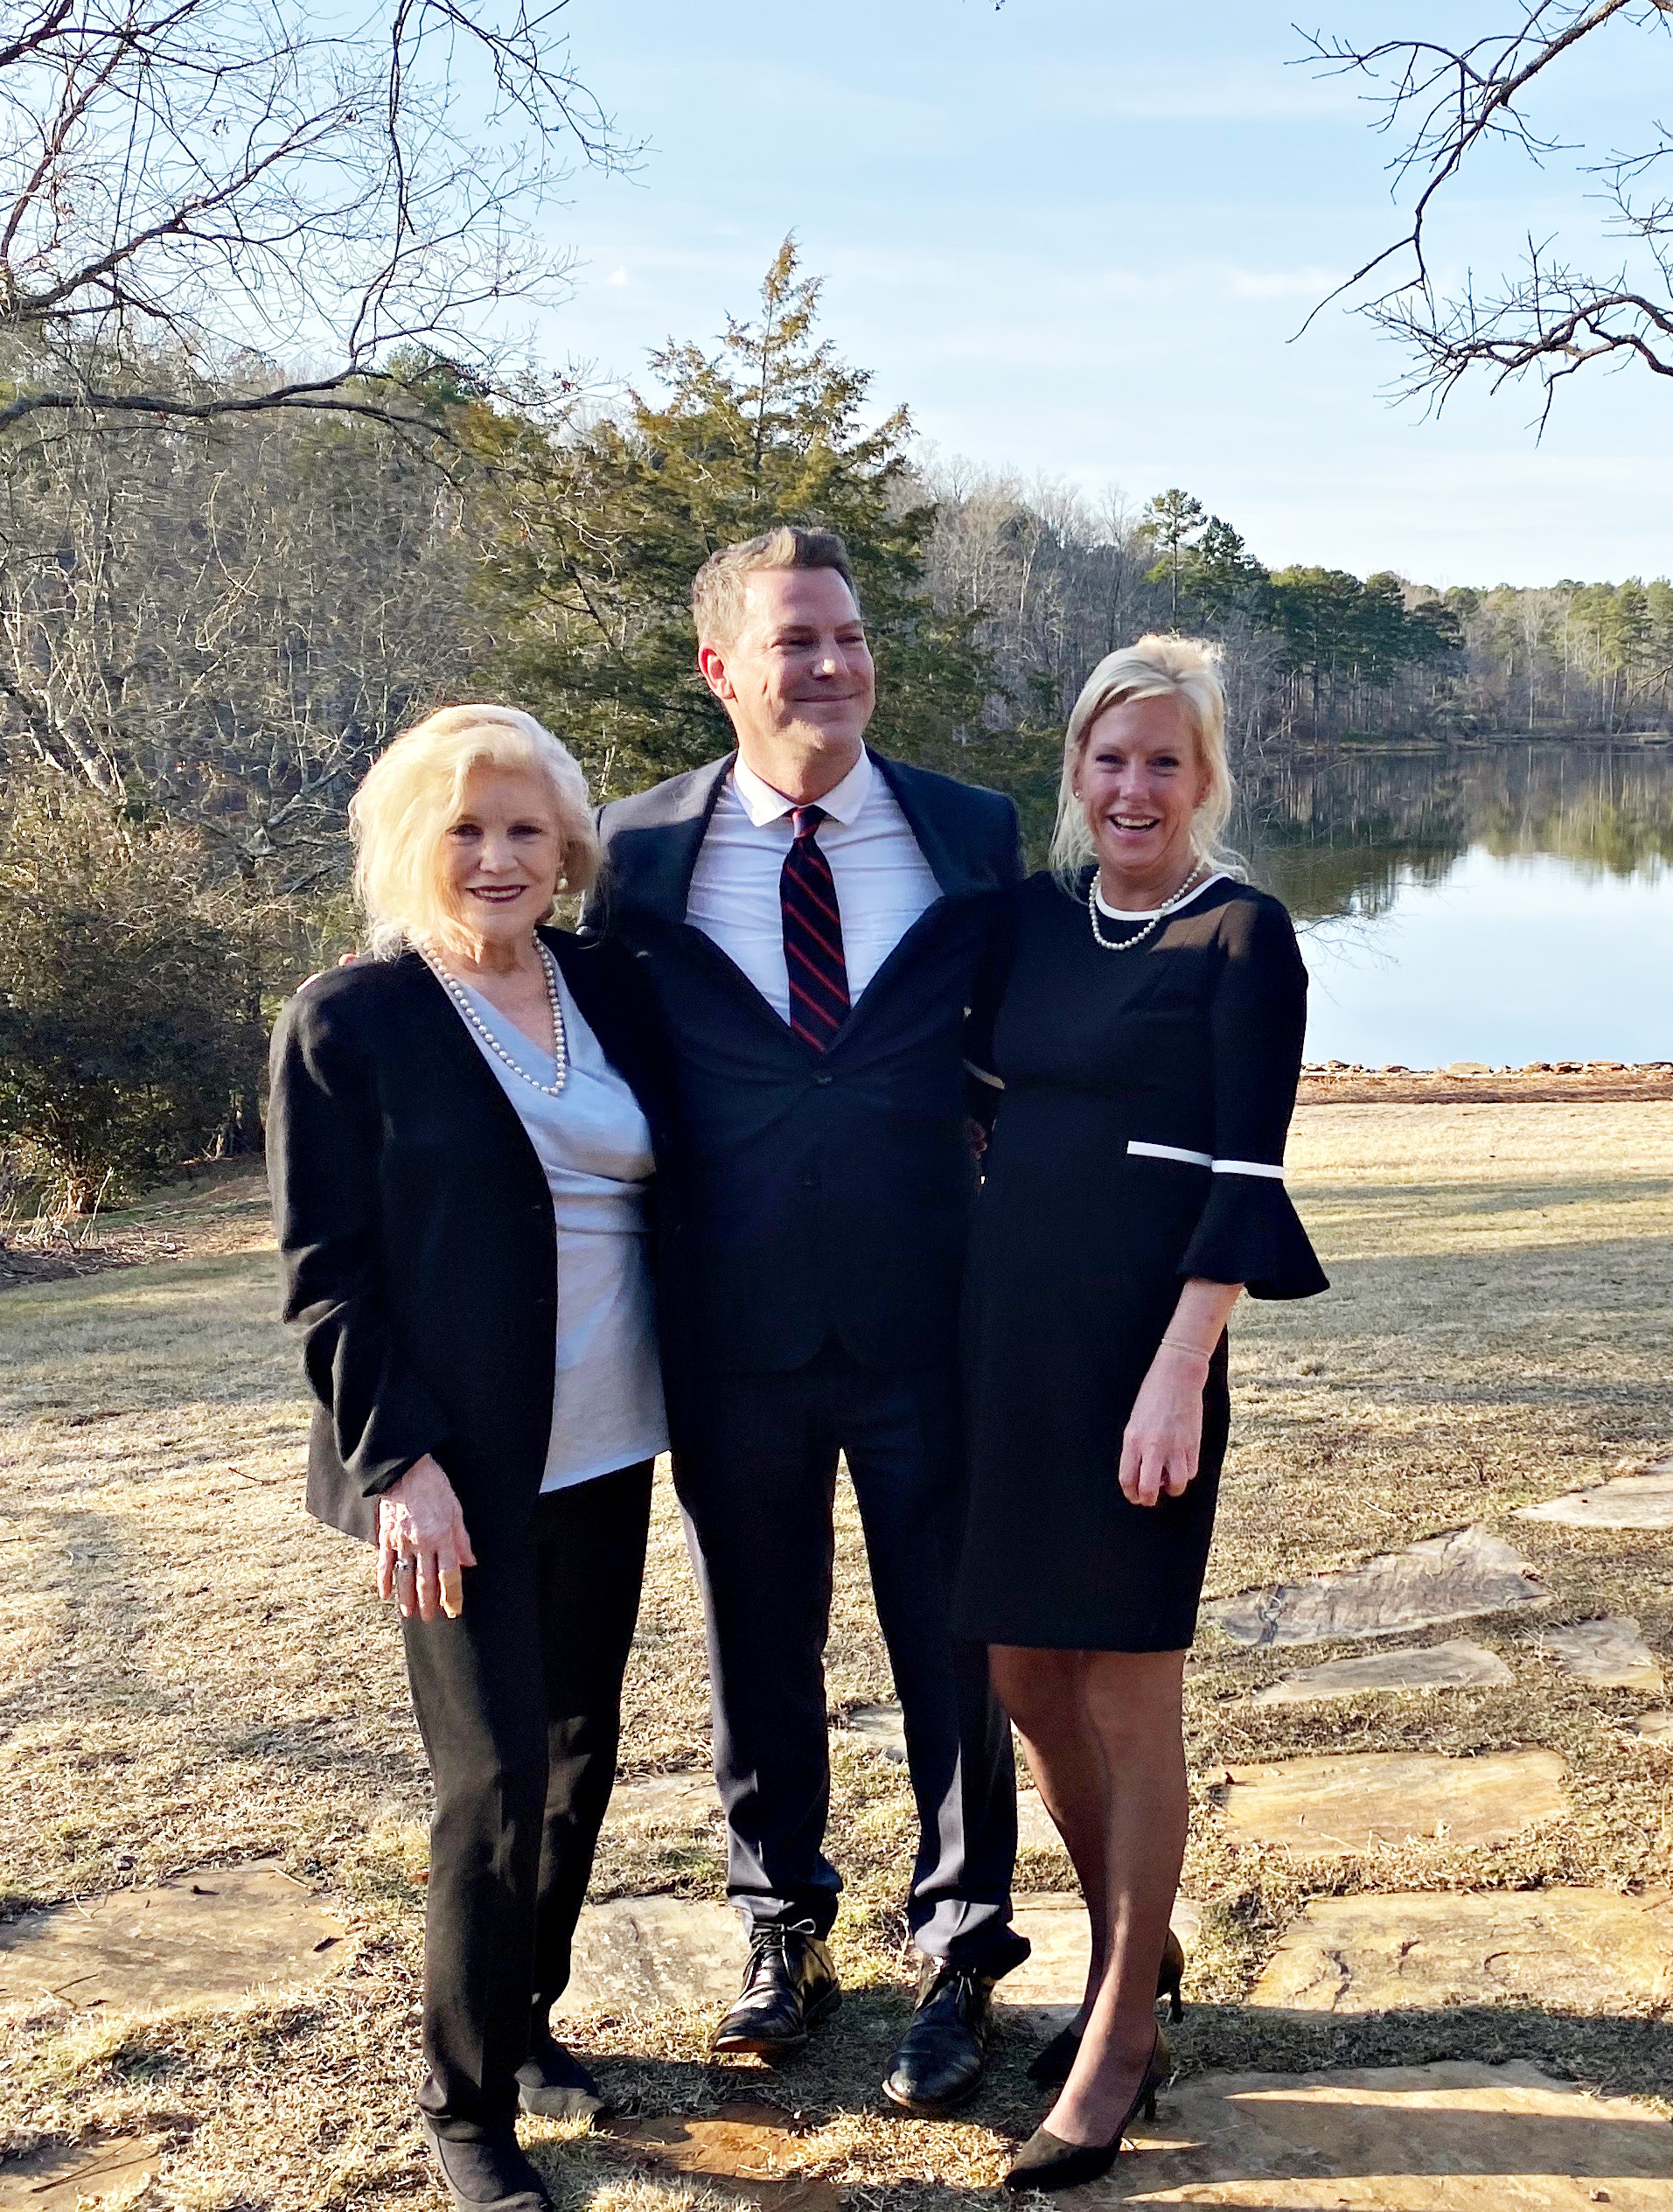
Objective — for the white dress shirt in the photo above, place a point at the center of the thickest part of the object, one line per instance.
(882, 881)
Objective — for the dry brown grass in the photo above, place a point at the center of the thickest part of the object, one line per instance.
(191, 1673)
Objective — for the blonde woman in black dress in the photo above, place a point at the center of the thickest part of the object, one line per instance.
(1140, 1029)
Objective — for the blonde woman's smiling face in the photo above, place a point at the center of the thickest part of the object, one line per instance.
(502, 854)
(1139, 784)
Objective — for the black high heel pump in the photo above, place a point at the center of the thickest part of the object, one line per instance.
(1052, 2066)
(1047, 2162)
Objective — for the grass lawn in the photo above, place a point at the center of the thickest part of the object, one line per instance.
(191, 1673)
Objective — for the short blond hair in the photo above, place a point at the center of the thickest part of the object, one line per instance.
(717, 589)
(1156, 667)
(411, 794)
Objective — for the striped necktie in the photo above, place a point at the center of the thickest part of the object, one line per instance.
(813, 954)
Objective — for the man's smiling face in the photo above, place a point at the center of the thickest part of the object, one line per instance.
(799, 671)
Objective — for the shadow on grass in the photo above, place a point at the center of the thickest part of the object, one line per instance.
(1499, 2106)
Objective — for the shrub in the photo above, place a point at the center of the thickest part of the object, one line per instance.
(128, 1030)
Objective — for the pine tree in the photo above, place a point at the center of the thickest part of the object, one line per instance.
(601, 526)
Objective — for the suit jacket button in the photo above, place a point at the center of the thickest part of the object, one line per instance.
(823, 1079)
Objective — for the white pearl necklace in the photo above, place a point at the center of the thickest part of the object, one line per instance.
(560, 1043)
(1125, 943)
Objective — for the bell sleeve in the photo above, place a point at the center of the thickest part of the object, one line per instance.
(323, 1138)
(1249, 1232)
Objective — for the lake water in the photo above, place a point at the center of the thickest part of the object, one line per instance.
(1506, 904)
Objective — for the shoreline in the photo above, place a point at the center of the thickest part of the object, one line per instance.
(1472, 1082)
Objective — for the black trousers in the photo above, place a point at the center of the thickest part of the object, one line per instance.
(519, 1705)
(757, 1481)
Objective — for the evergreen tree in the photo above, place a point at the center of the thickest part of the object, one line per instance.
(1172, 521)
(601, 526)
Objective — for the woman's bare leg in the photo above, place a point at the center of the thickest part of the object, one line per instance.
(1041, 1691)
(1131, 1704)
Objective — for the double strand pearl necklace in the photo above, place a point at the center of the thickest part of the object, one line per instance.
(1125, 943)
(456, 990)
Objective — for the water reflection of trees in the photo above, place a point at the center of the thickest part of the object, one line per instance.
(1337, 836)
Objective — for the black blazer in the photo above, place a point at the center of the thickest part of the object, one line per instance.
(416, 1231)
(824, 1194)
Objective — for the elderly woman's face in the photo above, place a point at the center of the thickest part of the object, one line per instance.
(1140, 784)
(502, 854)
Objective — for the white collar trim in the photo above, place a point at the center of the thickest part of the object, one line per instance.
(1149, 913)
(763, 804)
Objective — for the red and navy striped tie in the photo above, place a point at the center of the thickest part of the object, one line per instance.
(813, 955)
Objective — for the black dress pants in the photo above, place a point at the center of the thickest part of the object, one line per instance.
(756, 1479)
(520, 1704)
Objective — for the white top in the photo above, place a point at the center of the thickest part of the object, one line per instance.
(594, 1144)
(882, 881)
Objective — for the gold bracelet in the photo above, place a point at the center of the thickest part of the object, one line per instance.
(1178, 1343)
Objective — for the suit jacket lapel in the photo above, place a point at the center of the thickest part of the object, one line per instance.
(947, 864)
(664, 854)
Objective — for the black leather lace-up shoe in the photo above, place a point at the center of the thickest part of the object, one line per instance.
(789, 1987)
(489, 2175)
(939, 2063)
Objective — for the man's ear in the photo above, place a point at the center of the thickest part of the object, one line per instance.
(712, 663)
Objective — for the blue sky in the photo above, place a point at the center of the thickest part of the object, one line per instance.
(1077, 238)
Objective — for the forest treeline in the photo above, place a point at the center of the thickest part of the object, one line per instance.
(209, 628)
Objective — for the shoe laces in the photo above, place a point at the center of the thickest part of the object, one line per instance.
(769, 1945)
(965, 1985)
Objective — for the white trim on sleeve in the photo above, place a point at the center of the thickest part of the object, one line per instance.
(1248, 1167)
(1169, 1152)
(996, 1082)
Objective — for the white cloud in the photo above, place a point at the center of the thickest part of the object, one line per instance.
(618, 277)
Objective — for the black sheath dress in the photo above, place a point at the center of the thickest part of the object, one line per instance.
(1138, 1141)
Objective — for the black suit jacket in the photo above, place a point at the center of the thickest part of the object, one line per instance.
(824, 1195)
(416, 1231)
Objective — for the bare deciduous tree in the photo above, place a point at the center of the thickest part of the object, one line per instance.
(226, 622)
(1449, 103)
(272, 181)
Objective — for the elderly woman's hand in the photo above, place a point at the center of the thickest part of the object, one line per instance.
(422, 1543)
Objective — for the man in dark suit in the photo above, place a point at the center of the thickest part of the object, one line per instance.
(806, 910)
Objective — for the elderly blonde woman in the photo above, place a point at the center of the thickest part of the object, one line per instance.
(1141, 1027)
(462, 1137)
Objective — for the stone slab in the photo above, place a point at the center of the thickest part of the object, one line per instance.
(1327, 1808)
(1609, 1654)
(635, 1954)
(1654, 1727)
(1034, 1824)
(1457, 1665)
(1626, 1501)
(1457, 2137)
(880, 1727)
(687, 1800)
(1454, 1577)
(59, 2180)
(748, 2150)
(1581, 1950)
(1044, 1993)
(207, 1939)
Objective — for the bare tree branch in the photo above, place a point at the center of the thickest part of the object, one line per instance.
(276, 179)
(1549, 319)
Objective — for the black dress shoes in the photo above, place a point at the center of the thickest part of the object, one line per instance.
(944, 2052)
(554, 2085)
(489, 2175)
(789, 1987)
